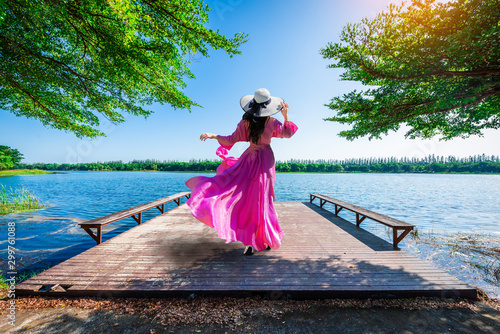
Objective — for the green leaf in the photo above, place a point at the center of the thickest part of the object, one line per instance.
(69, 63)
(427, 67)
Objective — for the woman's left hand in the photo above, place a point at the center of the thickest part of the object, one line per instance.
(284, 110)
(207, 135)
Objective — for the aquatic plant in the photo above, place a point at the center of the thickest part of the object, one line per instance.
(12, 200)
(480, 254)
(4, 285)
(476, 257)
(20, 277)
(415, 233)
(29, 273)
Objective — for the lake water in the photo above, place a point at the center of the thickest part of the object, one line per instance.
(434, 203)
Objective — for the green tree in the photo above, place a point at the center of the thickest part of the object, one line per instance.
(434, 66)
(336, 168)
(407, 168)
(5, 161)
(437, 167)
(311, 168)
(69, 62)
(283, 167)
(14, 156)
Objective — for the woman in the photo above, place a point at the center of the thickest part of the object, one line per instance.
(238, 201)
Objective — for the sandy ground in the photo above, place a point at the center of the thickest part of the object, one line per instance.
(250, 315)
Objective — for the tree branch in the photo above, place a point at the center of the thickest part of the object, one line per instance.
(480, 73)
(480, 96)
(33, 98)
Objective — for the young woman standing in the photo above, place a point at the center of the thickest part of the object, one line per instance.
(239, 201)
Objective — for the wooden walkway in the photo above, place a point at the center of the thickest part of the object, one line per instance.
(322, 256)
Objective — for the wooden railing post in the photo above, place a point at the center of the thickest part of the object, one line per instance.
(359, 220)
(98, 237)
(161, 208)
(138, 219)
(99, 234)
(397, 239)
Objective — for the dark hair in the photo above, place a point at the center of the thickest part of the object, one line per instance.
(256, 126)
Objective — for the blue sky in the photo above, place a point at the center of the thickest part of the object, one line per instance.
(282, 55)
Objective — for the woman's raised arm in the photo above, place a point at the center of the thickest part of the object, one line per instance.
(208, 135)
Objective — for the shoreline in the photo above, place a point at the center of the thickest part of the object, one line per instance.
(16, 172)
(41, 172)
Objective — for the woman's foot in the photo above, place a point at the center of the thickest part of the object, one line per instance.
(268, 248)
(248, 250)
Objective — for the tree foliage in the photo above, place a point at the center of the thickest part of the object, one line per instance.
(429, 164)
(434, 66)
(5, 161)
(9, 157)
(67, 62)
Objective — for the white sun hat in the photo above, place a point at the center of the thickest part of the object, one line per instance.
(261, 103)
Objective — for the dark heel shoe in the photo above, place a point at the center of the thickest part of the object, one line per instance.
(268, 248)
(248, 250)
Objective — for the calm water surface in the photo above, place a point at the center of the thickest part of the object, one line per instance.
(434, 203)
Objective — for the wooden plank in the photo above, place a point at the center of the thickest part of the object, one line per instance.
(255, 281)
(322, 255)
(210, 273)
(348, 281)
(351, 266)
(145, 257)
(141, 275)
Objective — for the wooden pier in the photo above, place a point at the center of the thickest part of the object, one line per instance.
(322, 256)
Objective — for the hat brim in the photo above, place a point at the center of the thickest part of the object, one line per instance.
(272, 108)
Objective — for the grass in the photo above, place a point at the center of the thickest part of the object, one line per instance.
(3, 282)
(20, 277)
(4, 287)
(14, 172)
(27, 274)
(21, 200)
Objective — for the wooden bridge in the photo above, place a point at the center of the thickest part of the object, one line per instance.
(173, 254)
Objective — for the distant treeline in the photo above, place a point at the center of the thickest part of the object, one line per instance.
(429, 164)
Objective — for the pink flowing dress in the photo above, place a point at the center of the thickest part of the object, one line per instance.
(239, 201)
